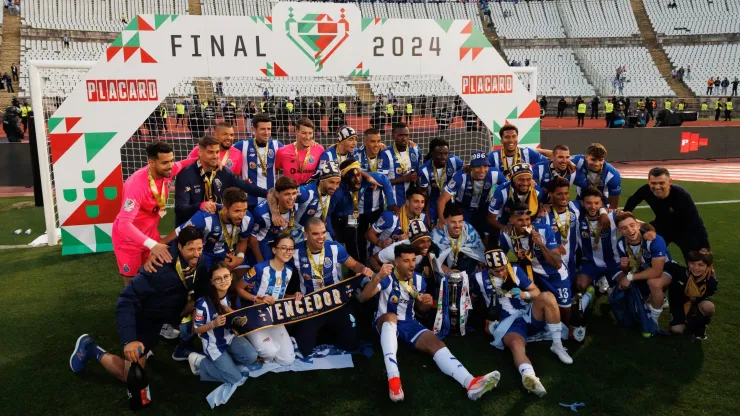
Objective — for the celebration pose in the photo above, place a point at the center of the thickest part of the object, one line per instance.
(522, 310)
(265, 227)
(401, 290)
(299, 160)
(392, 226)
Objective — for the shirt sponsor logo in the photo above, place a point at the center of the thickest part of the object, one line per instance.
(487, 84)
(122, 90)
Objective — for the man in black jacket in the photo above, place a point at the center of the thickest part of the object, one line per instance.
(676, 218)
(200, 185)
(150, 301)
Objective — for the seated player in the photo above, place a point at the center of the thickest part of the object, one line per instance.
(511, 154)
(226, 232)
(271, 280)
(473, 191)
(151, 300)
(392, 226)
(521, 310)
(347, 203)
(560, 167)
(538, 254)
(641, 262)
(223, 350)
(436, 173)
(460, 246)
(400, 288)
(519, 190)
(265, 228)
(599, 174)
(690, 291)
(318, 263)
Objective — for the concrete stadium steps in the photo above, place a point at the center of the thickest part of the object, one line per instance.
(490, 32)
(194, 7)
(363, 90)
(656, 51)
(204, 89)
(10, 53)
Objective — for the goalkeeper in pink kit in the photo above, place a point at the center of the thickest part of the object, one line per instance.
(135, 232)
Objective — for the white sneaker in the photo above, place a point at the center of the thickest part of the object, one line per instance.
(602, 284)
(579, 333)
(533, 385)
(483, 384)
(194, 360)
(169, 332)
(560, 351)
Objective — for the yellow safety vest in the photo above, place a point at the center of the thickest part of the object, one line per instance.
(389, 109)
(680, 106)
(717, 105)
(728, 106)
(582, 108)
(704, 107)
(289, 106)
(640, 104)
(24, 110)
(233, 104)
(180, 108)
(204, 105)
(409, 109)
(163, 112)
(667, 105)
(609, 107)
(262, 106)
(343, 107)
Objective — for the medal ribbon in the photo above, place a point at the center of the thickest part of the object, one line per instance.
(356, 203)
(408, 286)
(517, 159)
(563, 228)
(525, 256)
(182, 273)
(595, 233)
(597, 181)
(403, 219)
(324, 207)
(370, 163)
(225, 159)
(317, 270)
(302, 166)
(440, 179)
(634, 261)
(159, 196)
(260, 161)
(399, 156)
(456, 244)
(232, 239)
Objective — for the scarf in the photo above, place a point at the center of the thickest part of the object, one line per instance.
(517, 158)
(531, 199)
(696, 287)
(403, 219)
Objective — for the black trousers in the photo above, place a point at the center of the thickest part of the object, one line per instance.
(689, 241)
(346, 235)
(581, 118)
(560, 113)
(728, 115)
(594, 113)
(716, 114)
(366, 220)
(337, 327)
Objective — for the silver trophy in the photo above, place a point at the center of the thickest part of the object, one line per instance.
(454, 288)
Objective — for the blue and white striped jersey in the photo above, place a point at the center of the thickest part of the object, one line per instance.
(539, 265)
(214, 244)
(543, 173)
(650, 250)
(268, 281)
(331, 154)
(606, 254)
(529, 155)
(372, 201)
(609, 182)
(428, 175)
(482, 285)
(331, 265)
(500, 201)
(216, 340)
(389, 225)
(396, 299)
(474, 195)
(255, 160)
(410, 159)
(571, 245)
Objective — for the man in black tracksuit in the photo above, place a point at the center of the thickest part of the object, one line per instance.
(676, 218)
(200, 185)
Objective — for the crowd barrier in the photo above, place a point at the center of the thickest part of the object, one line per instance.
(15, 164)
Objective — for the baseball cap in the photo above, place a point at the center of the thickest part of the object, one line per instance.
(479, 159)
(418, 230)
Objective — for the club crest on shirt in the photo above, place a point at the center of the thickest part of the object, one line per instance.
(218, 183)
(327, 262)
(585, 234)
(126, 269)
(450, 172)
(486, 185)
(229, 163)
(399, 170)
(129, 205)
(187, 189)
(252, 165)
(306, 276)
(270, 153)
(394, 299)
(413, 156)
(310, 159)
(451, 184)
(304, 259)
(311, 211)
(380, 222)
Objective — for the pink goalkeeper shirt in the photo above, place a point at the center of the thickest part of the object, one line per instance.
(234, 163)
(138, 220)
(286, 160)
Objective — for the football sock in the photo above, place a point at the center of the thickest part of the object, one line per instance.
(389, 344)
(95, 351)
(526, 369)
(556, 331)
(450, 366)
(585, 300)
(655, 313)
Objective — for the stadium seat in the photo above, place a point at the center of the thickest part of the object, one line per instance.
(558, 73)
(694, 17)
(643, 78)
(706, 61)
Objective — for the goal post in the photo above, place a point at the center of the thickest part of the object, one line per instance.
(95, 136)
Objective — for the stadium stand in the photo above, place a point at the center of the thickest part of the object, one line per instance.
(706, 61)
(643, 78)
(592, 19)
(694, 17)
(559, 73)
(89, 15)
(285, 87)
(528, 20)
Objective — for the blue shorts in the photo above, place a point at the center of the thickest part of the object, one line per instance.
(560, 288)
(408, 331)
(521, 327)
(595, 272)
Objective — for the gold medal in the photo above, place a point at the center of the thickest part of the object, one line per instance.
(408, 286)
(317, 270)
(159, 196)
(260, 161)
(563, 228)
(595, 233)
(401, 161)
(232, 239)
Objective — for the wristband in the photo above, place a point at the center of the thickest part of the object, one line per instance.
(525, 295)
(240, 255)
(603, 210)
(149, 243)
(630, 276)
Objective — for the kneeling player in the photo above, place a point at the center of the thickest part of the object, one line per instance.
(690, 291)
(395, 318)
(507, 289)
